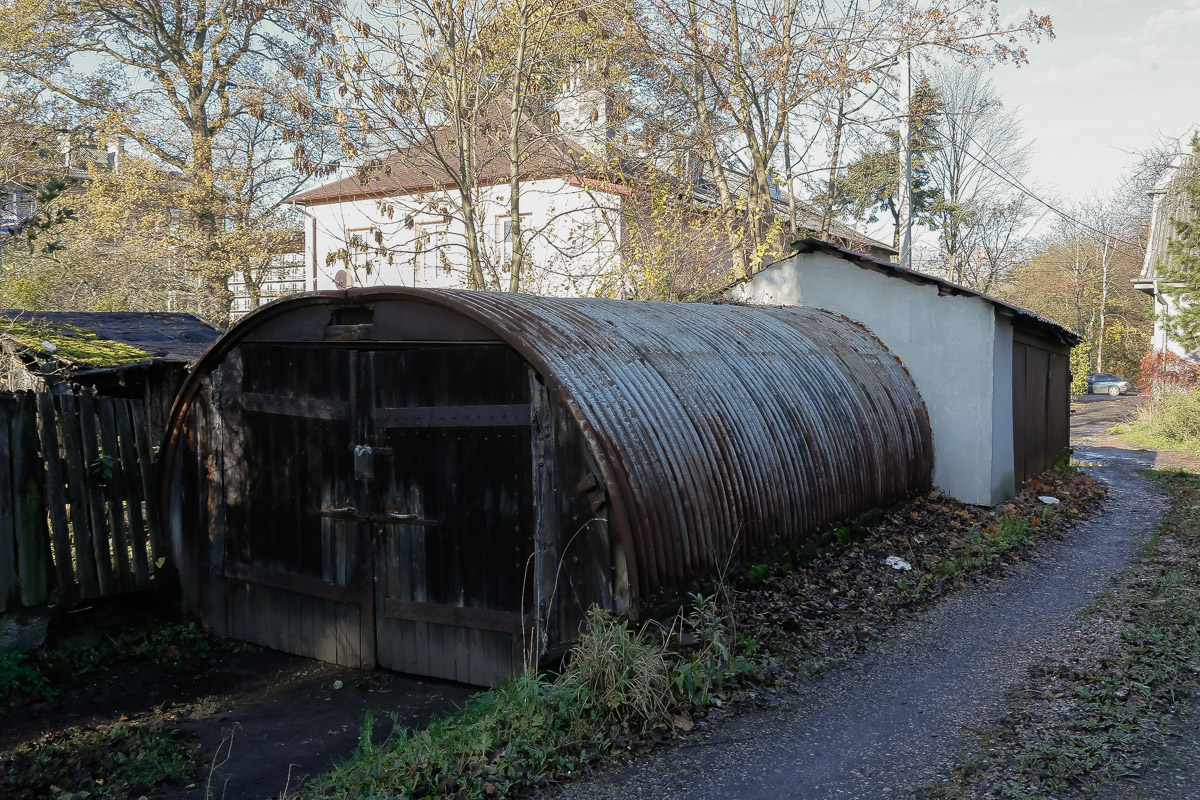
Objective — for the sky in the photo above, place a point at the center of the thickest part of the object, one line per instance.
(1118, 74)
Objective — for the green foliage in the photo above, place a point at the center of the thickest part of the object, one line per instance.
(31, 230)
(19, 676)
(1168, 422)
(119, 761)
(871, 182)
(619, 682)
(1081, 365)
(756, 575)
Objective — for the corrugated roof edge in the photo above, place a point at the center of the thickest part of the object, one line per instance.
(810, 245)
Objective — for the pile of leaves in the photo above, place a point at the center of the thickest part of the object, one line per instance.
(120, 761)
(1087, 717)
(831, 599)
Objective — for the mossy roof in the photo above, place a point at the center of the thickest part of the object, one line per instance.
(106, 340)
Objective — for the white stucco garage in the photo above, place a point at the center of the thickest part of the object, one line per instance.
(991, 374)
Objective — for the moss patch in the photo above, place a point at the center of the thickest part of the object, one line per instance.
(74, 344)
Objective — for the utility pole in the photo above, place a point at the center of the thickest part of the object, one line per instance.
(904, 185)
(1103, 307)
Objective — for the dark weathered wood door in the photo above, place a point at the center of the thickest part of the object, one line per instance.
(295, 555)
(451, 504)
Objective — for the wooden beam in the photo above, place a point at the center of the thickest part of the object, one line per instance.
(301, 584)
(306, 407)
(499, 416)
(483, 619)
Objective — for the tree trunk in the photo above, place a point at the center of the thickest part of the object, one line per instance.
(831, 188)
(514, 162)
(1103, 307)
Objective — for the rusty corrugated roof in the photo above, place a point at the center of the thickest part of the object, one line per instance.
(721, 428)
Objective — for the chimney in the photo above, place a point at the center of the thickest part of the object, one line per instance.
(583, 111)
(114, 153)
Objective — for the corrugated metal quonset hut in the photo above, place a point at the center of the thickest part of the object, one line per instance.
(443, 482)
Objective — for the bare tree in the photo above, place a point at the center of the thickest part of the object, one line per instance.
(979, 159)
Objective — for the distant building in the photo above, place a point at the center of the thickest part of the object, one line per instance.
(994, 377)
(284, 276)
(75, 152)
(398, 223)
(1169, 202)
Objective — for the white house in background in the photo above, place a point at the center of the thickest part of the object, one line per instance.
(1168, 201)
(400, 226)
(994, 377)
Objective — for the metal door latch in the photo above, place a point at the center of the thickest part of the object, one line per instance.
(344, 512)
(364, 462)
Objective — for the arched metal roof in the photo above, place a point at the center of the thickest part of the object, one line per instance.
(716, 428)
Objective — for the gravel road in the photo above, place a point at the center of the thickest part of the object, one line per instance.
(888, 722)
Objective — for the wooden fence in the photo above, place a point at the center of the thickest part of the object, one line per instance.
(79, 509)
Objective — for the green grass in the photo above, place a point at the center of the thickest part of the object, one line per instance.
(118, 761)
(1170, 422)
(621, 683)
(980, 547)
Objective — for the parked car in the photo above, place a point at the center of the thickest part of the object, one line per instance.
(1103, 383)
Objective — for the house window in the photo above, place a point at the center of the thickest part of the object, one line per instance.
(430, 253)
(360, 244)
(504, 236)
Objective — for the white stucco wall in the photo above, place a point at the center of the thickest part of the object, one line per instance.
(949, 345)
(573, 236)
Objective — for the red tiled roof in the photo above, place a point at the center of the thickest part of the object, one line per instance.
(433, 162)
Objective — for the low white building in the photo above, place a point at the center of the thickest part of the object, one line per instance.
(995, 378)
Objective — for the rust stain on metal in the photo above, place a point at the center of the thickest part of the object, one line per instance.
(719, 428)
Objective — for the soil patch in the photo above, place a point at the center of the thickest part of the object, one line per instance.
(266, 719)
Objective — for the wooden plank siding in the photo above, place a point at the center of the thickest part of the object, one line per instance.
(70, 473)
(1041, 405)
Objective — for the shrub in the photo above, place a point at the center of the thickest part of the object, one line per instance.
(1168, 422)
(1160, 373)
(622, 675)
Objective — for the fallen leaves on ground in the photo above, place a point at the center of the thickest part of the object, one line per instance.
(841, 596)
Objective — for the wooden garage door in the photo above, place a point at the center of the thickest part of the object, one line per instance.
(454, 492)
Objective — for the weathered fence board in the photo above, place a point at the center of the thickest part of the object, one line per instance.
(8, 533)
(134, 494)
(76, 472)
(56, 498)
(98, 476)
(77, 491)
(29, 504)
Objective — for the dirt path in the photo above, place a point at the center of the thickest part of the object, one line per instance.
(887, 724)
(291, 724)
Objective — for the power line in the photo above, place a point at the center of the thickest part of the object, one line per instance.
(1003, 174)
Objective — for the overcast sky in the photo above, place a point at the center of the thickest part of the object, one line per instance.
(1118, 73)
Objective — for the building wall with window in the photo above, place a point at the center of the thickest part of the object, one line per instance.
(572, 233)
